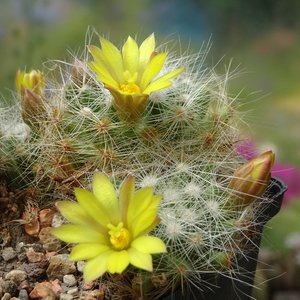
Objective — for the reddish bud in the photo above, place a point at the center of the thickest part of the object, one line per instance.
(31, 89)
(251, 180)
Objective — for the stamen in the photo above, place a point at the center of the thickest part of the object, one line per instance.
(120, 237)
(130, 88)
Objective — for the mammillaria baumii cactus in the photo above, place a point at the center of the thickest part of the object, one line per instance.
(137, 149)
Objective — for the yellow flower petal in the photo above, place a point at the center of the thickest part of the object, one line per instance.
(149, 244)
(139, 203)
(152, 70)
(107, 82)
(171, 74)
(117, 262)
(78, 234)
(113, 58)
(96, 53)
(104, 74)
(126, 193)
(157, 85)
(87, 251)
(106, 194)
(155, 201)
(163, 81)
(75, 214)
(90, 203)
(140, 260)
(96, 267)
(130, 54)
(142, 222)
(148, 229)
(146, 50)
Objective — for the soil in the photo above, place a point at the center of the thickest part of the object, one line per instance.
(36, 265)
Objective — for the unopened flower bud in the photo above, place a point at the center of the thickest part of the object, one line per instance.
(250, 181)
(31, 88)
(33, 81)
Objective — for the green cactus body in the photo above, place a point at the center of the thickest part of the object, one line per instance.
(183, 145)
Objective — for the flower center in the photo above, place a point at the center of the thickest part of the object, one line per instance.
(130, 88)
(120, 237)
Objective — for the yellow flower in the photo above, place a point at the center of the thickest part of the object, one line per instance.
(111, 234)
(129, 75)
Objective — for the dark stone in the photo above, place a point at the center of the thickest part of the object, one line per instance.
(9, 287)
(35, 271)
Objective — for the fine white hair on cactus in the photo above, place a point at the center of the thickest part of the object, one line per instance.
(171, 195)
(86, 111)
(213, 207)
(182, 167)
(183, 145)
(149, 180)
(173, 229)
(193, 189)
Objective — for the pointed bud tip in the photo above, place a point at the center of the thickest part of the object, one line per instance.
(250, 180)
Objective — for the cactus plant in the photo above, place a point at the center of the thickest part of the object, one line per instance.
(166, 120)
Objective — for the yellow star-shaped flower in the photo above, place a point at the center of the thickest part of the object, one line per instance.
(111, 234)
(130, 74)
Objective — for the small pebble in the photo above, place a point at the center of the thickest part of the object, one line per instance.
(23, 295)
(34, 247)
(6, 296)
(72, 292)
(69, 280)
(17, 276)
(25, 285)
(46, 289)
(80, 265)
(35, 271)
(65, 297)
(60, 266)
(35, 256)
(49, 241)
(22, 257)
(20, 247)
(49, 254)
(57, 220)
(8, 253)
(9, 287)
(88, 285)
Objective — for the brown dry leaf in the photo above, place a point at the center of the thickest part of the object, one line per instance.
(46, 216)
(31, 225)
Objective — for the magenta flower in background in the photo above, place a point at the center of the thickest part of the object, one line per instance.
(291, 176)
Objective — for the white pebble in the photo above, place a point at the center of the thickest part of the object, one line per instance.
(80, 265)
(69, 280)
(57, 221)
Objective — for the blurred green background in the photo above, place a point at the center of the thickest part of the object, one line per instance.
(262, 37)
